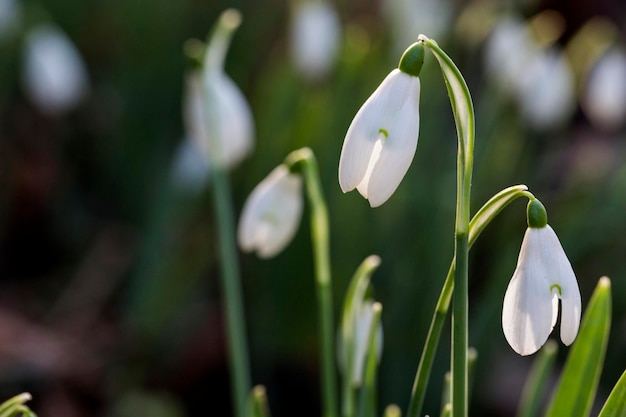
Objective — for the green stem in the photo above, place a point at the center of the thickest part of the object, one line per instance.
(321, 255)
(460, 328)
(238, 351)
(483, 217)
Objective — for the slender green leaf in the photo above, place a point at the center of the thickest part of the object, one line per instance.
(537, 381)
(573, 396)
(615, 405)
(392, 410)
(367, 406)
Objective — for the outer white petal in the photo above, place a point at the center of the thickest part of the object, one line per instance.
(272, 213)
(604, 100)
(559, 271)
(364, 130)
(399, 148)
(527, 309)
(54, 75)
(315, 37)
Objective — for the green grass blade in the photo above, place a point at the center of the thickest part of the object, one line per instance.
(537, 381)
(615, 405)
(576, 390)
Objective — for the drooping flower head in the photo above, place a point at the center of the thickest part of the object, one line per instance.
(272, 213)
(382, 138)
(543, 276)
(216, 114)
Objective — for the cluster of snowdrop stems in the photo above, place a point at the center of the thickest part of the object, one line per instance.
(378, 149)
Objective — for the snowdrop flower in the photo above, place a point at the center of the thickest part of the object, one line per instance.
(543, 277)
(314, 38)
(231, 118)
(54, 75)
(604, 100)
(546, 90)
(382, 139)
(272, 213)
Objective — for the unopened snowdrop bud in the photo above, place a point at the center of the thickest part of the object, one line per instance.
(54, 75)
(543, 276)
(381, 140)
(363, 323)
(314, 38)
(604, 99)
(272, 213)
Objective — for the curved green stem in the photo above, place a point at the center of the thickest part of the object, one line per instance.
(305, 159)
(481, 219)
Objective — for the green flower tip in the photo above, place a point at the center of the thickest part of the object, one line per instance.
(296, 158)
(230, 19)
(412, 59)
(604, 282)
(536, 214)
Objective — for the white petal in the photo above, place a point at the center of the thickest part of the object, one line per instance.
(363, 323)
(364, 130)
(527, 309)
(555, 310)
(560, 272)
(272, 213)
(398, 149)
(54, 74)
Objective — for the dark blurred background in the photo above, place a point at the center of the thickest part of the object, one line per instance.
(110, 303)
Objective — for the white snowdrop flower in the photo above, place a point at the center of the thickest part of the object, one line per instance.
(272, 213)
(363, 322)
(314, 38)
(604, 99)
(508, 51)
(382, 138)
(543, 276)
(229, 118)
(546, 91)
(54, 75)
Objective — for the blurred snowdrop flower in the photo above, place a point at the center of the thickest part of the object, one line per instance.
(408, 18)
(546, 92)
(604, 99)
(314, 37)
(543, 276)
(508, 51)
(271, 214)
(382, 138)
(230, 118)
(190, 170)
(217, 116)
(363, 323)
(10, 16)
(54, 75)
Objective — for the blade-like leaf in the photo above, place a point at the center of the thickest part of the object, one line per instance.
(537, 380)
(615, 405)
(257, 402)
(573, 396)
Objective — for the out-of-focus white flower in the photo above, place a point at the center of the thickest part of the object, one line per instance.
(543, 276)
(409, 18)
(604, 99)
(315, 36)
(508, 51)
(382, 139)
(54, 75)
(546, 93)
(363, 322)
(230, 114)
(10, 16)
(190, 169)
(272, 213)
